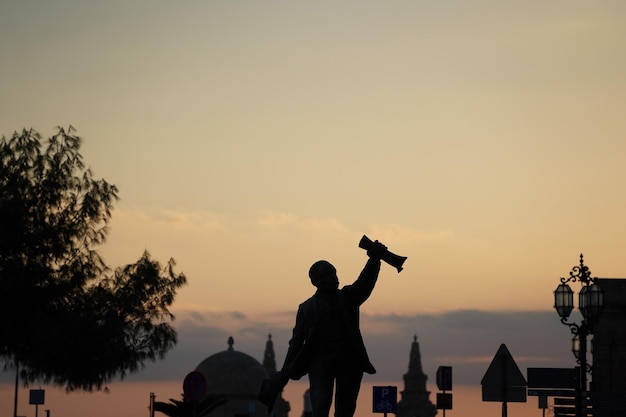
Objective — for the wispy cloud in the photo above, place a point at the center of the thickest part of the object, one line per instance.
(203, 219)
(467, 340)
(398, 233)
(276, 220)
(385, 233)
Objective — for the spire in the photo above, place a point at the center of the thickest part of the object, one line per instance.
(281, 407)
(415, 358)
(415, 400)
(269, 359)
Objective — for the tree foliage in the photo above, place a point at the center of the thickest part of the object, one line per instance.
(65, 316)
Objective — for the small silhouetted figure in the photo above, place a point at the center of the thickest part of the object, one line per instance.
(327, 342)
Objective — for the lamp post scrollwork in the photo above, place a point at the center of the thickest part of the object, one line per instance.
(590, 303)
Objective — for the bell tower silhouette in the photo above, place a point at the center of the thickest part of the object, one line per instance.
(281, 407)
(415, 400)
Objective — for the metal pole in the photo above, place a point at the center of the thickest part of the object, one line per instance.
(583, 370)
(505, 384)
(17, 383)
(151, 406)
(444, 410)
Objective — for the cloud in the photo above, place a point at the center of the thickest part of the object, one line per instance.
(200, 221)
(188, 219)
(397, 233)
(467, 340)
(276, 220)
(385, 233)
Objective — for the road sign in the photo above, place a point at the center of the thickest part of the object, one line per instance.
(551, 392)
(194, 386)
(385, 399)
(36, 396)
(503, 380)
(553, 377)
(444, 378)
(444, 401)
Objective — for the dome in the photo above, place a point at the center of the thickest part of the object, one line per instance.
(235, 374)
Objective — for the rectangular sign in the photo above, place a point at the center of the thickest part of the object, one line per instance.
(444, 378)
(444, 401)
(37, 396)
(552, 377)
(385, 399)
(552, 392)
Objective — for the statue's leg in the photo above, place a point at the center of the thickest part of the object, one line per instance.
(321, 390)
(348, 385)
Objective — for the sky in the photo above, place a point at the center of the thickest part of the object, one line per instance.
(484, 140)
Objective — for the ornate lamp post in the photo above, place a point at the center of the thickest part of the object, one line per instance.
(590, 302)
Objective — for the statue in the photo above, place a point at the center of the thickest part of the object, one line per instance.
(326, 343)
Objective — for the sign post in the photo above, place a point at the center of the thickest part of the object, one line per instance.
(444, 383)
(561, 383)
(37, 396)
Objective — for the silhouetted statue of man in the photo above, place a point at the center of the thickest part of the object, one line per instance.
(327, 342)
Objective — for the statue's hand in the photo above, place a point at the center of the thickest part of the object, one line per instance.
(377, 251)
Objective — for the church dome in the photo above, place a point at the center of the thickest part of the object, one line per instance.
(235, 374)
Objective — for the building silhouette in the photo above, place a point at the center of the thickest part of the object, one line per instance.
(609, 339)
(415, 400)
(238, 376)
(281, 407)
(608, 347)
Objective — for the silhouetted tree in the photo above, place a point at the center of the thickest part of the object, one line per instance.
(186, 408)
(65, 317)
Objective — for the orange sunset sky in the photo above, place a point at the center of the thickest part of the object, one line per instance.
(484, 139)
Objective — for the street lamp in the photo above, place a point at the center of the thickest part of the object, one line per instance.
(590, 302)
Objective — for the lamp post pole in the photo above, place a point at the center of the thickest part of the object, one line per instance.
(590, 301)
(581, 398)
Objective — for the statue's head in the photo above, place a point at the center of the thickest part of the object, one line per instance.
(324, 276)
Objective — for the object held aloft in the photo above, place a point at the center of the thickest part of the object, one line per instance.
(391, 258)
